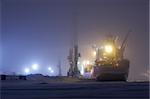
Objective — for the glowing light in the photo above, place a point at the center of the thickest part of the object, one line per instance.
(82, 70)
(108, 49)
(26, 70)
(84, 62)
(35, 66)
(50, 69)
(78, 63)
(94, 53)
(87, 62)
(101, 59)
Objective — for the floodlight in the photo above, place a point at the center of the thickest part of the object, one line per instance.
(35, 66)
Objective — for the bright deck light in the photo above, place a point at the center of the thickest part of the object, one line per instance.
(84, 62)
(94, 53)
(108, 49)
(87, 62)
(82, 70)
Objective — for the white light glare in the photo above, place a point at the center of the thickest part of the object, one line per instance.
(78, 63)
(86, 62)
(50, 69)
(82, 70)
(35, 66)
(26, 70)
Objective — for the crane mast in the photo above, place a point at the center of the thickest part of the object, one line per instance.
(73, 53)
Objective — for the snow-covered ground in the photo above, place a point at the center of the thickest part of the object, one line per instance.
(64, 87)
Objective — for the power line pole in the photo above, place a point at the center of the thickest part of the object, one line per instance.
(59, 68)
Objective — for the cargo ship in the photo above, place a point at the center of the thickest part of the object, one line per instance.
(110, 64)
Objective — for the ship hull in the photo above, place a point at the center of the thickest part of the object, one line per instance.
(109, 72)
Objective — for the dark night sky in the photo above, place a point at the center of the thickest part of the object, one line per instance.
(40, 31)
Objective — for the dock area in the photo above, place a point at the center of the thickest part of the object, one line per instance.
(73, 88)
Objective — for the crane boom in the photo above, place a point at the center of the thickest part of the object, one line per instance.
(123, 45)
